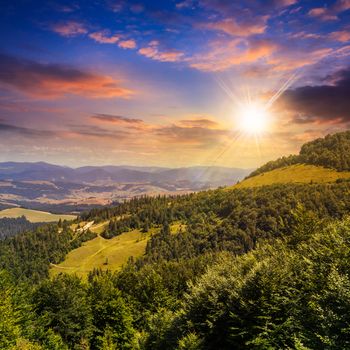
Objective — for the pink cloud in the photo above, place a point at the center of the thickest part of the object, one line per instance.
(199, 123)
(69, 29)
(286, 60)
(232, 27)
(104, 37)
(166, 56)
(127, 44)
(54, 80)
(322, 13)
(342, 5)
(342, 36)
(223, 55)
(330, 13)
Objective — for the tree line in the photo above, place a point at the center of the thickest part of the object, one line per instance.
(332, 151)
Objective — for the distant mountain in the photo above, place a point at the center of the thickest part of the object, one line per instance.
(41, 185)
(48, 172)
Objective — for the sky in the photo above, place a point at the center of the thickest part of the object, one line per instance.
(169, 83)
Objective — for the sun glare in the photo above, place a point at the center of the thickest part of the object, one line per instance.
(253, 119)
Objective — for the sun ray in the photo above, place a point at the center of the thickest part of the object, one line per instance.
(282, 89)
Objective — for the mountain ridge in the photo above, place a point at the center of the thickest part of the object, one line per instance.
(46, 186)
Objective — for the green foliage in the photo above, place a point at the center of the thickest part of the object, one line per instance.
(10, 319)
(63, 306)
(112, 317)
(275, 297)
(333, 151)
(190, 342)
(28, 255)
(262, 268)
(12, 226)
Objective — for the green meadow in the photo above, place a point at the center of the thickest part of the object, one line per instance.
(299, 173)
(107, 254)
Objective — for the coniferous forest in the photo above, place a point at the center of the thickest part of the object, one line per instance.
(256, 268)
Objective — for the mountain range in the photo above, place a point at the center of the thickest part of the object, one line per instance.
(60, 188)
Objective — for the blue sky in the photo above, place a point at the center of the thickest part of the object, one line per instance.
(164, 82)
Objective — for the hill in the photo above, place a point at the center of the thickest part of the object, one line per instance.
(106, 254)
(239, 248)
(299, 173)
(261, 267)
(332, 151)
(323, 160)
(34, 215)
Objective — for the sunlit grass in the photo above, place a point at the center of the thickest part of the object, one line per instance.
(108, 254)
(34, 215)
(299, 173)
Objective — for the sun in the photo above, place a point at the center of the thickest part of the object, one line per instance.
(253, 118)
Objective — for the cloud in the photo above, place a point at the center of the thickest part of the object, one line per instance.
(232, 27)
(191, 132)
(104, 37)
(127, 44)
(54, 80)
(69, 29)
(26, 107)
(116, 119)
(239, 8)
(195, 135)
(225, 54)
(96, 131)
(290, 59)
(184, 4)
(342, 36)
(23, 131)
(323, 14)
(73, 132)
(199, 123)
(327, 103)
(152, 51)
(330, 13)
(341, 5)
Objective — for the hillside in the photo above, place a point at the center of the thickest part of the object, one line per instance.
(264, 267)
(228, 236)
(332, 151)
(299, 173)
(106, 254)
(319, 161)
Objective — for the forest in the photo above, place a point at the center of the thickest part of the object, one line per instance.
(255, 268)
(12, 226)
(332, 151)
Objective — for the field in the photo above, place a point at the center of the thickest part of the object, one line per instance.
(106, 254)
(299, 173)
(34, 215)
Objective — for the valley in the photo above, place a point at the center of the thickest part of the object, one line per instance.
(58, 189)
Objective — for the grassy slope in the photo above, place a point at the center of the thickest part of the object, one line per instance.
(93, 254)
(299, 173)
(34, 215)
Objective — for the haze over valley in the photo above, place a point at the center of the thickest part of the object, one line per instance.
(63, 189)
